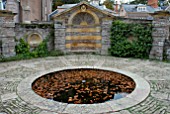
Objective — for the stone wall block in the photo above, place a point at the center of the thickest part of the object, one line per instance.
(59, 38)
(59, 26)
(9, 25)
(60, 47)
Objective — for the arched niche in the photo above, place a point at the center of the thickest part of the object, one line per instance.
(79, 14)
(34, 39)
(83, 19)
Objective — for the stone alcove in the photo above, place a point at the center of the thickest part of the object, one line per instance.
(82, 28)
(83, 19)
(83, 32)
(84, 24)
(34, 39)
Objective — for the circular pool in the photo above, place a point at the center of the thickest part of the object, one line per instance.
(83, 86)
(93, 81)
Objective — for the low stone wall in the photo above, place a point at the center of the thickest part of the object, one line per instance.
(42, 30)
(7, 34)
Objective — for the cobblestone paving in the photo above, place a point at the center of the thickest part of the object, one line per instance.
(156, 73)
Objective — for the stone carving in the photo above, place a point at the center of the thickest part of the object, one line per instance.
(83, 8)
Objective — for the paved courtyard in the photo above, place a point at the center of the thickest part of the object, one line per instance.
(156, 73)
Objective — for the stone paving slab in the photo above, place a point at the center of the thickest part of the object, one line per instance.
(87, 108)
(47, 112)
(156, 73)
(8, 96)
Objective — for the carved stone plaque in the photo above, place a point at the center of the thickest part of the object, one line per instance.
(83, 8)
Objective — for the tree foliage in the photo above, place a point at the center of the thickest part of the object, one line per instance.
(130, 40)
(109, 4)
(139, 2)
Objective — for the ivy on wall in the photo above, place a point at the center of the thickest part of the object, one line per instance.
(130, 40)
(24, 49)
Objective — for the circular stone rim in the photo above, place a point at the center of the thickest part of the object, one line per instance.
(140, 93)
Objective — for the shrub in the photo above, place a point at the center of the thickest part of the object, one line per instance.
(130, 40)
(22, 47)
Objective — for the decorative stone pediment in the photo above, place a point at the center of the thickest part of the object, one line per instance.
(84, 7)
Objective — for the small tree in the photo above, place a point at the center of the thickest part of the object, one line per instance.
(23, 47)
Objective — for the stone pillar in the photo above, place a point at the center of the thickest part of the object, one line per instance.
(46, 9)
(13, 5)
(7, 34)
(26, 11)
(59, 40)
(159, 34)
(106, 26)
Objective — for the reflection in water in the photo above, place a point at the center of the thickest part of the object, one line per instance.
(4, 3)
(120, 95)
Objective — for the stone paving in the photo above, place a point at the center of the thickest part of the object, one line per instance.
(156, 73)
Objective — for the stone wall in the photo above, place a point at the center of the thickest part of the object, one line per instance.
(106, 26)
(43, 30)
(138, 21)
(59, 32)
(167, 49)
(7, 34)
(160, 34)
(80, 36)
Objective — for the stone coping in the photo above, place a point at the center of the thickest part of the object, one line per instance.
(142, 90)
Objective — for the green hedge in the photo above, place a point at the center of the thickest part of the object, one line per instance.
(130, 40)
